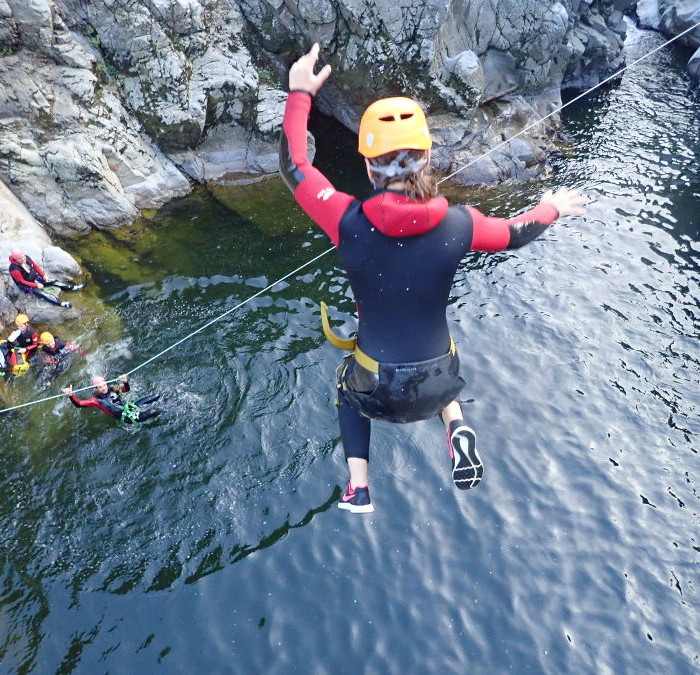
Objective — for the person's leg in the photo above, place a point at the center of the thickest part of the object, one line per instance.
(451, 412)
(355, 435)
(49, 297)
(467, 468)
(148, 413)
(64, 285)
(146, 400)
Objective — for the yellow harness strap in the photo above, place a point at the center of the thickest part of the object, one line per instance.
(341, 343)
(350, 344)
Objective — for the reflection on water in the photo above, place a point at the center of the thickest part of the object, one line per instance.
(207, 540)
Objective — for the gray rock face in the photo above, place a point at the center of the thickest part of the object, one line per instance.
(451, 55)
(673, 17)
(108, 107)
(694, 65)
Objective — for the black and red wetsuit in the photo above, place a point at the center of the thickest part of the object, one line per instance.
(28, 339)
(400, 257)
(56, 359)
(113, 404)
(26, 279)
(110, 402)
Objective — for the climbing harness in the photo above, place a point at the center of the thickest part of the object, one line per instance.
(350, 344)
(130, 413)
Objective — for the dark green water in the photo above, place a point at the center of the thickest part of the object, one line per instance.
(208, 540)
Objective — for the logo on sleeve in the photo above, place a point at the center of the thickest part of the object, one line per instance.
(326, 193)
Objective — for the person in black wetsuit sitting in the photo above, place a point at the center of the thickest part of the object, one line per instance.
(30, 278)
(400, 248)
(108, 399)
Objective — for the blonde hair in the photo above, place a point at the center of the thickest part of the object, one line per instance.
(420, 186)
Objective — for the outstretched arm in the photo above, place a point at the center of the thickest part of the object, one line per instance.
(312, 190)
(498, 234)
(77, 402)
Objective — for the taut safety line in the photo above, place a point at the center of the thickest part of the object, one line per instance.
(187, 337)
(306, 264)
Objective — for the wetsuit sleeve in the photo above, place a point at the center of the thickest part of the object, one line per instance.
(12, 337)
(84, 403)
(93, 402)
(312, 190)
(17, 276)
(498, 234)
(123, 388)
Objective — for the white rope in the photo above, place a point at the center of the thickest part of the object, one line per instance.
(187, 337)
(306, 264)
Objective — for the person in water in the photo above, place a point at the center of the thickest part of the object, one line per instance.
(57, 356)
(108, 399)
(30, 278)
(7, 359)
(400, 248)
(24, 339)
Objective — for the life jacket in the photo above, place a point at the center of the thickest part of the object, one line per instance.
(11, 360)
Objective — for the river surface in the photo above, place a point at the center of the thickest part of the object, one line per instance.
(208, 541)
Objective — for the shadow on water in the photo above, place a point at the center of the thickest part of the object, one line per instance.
(127, 549)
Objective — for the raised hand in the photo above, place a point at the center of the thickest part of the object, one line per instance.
(567, 202)
(301, 74)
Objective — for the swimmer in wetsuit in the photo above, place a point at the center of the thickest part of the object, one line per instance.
(57, 356)
(400, 248)
(108, 399)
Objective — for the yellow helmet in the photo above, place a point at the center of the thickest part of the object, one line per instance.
(396, 123)
(46, 338)
(21, 318)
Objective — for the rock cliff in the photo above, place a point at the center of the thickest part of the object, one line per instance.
(672, 17)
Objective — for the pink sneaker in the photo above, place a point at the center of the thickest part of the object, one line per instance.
(356, 500)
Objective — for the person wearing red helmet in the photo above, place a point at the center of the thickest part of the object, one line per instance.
(30, 278)
(400, 248)
(108, 398)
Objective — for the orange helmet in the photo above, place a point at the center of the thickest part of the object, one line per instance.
(390, 124)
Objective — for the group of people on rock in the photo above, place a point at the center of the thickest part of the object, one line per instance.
(25, 345)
